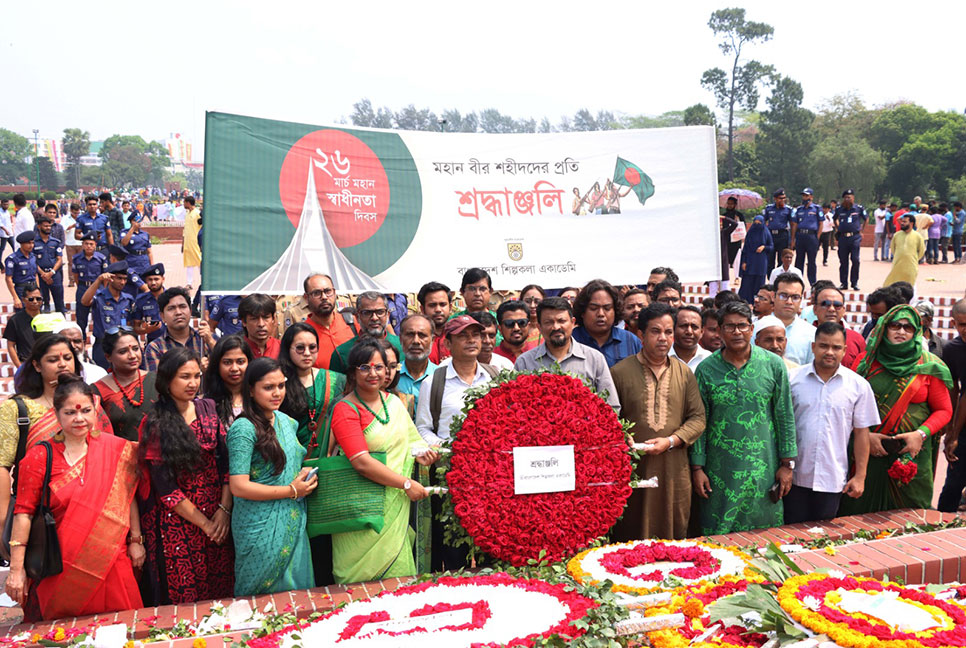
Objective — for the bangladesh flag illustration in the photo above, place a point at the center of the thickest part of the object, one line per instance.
(630, 175)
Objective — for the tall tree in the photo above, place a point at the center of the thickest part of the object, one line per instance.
(128, 160)
(786, 138)
(698, 115)
(740, 87)
(843, 162)
(48, 175)
(76, 144)
(14, 151)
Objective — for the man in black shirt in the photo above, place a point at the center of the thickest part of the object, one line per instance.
(18, 333)
(954, 355)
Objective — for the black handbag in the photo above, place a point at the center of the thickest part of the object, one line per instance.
(42, 557)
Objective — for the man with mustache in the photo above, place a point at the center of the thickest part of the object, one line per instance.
(416, 334)
(331, 326)
(373, 315)
(175, 306)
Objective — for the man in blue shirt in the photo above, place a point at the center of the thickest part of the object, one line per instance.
(806, 229)
(49, 253)
(137, 243)
(110, 306)
(416, 335)
(596, 309)
(849, 218)
(223, 315)
(134, 282)
(91, 222)
(86, 266)
(21, 268)
(958, 220)
(146, 313)
(777, 217)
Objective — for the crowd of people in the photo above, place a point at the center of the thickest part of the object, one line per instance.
(178, 451)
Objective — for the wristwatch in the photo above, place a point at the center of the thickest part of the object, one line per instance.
(788, 463)
(407, 485)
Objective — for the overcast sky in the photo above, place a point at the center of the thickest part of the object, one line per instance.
(152, 69)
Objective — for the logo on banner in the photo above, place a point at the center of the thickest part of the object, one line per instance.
(514, 251)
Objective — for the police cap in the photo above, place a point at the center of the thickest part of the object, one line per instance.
(157, 270)
(117, 251)
(119, 267)
(26, 237)
(778, 192)
(848, 192)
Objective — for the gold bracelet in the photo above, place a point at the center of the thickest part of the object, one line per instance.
(17, 543)
(135, 540)
(226, 510)
(295, 493)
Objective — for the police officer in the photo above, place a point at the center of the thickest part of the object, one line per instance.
(86, 266)
(134, 282)
(849, 218)
(21, 267)
(777, 216)
(92, 222)
(806, 228)
(137, 243)
(223, 315)
(110, 306)
(146, 313)
(49, 253)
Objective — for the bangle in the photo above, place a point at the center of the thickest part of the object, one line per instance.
(295, 493)
(17, 543)
(923, 433)
(135, 540)
(226, 510)
(670, 440)
(696, 468)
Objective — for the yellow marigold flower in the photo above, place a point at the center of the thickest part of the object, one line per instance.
(696, 623)
(35, 638)
(830, 551)
(693, 608)
(129, 643)
(199, 643)
(59, 634)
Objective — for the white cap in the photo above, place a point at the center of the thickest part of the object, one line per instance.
(767, 321)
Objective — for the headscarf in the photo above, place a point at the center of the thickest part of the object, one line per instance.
(906, 358)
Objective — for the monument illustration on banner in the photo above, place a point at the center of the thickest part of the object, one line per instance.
(312, 250)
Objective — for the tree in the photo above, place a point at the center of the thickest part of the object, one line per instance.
(76, 144)
(698, 115)
(48, 175)
(364, 115)
(740, 87)
(130, 161)
(664, 120)
(847, 161)
(786, 138)
(844, 114)
(14, 152)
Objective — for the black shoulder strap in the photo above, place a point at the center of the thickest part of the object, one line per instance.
(347, 317)
(436, 396)
(23, 423)
(45, 496)
(490, 369)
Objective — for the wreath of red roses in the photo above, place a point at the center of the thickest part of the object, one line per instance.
(540, 409)
(620, 561)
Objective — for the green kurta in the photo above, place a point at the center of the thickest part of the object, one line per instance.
(750, 426)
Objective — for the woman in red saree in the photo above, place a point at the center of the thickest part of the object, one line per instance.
(92, 485)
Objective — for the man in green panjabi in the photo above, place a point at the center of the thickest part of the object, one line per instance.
(749, 442)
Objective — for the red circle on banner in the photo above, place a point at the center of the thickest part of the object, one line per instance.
(350, 183)
(632, 176)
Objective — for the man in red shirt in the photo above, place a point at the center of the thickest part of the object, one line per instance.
(257, 315)
(435, 303)
(324, 318)
(830, 307)
(513, 318)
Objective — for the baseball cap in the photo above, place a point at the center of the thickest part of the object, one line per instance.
(459, 324)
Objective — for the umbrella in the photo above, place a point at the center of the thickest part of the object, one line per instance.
(746, 199)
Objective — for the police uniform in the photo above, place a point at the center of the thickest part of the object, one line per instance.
(47, 253)
(20, 267)
(134, 281)
(849, 221)
(87, 271)
(807, 219)
(137, 250)
(97, 226)
(776, 222)
(109, 312)
(146, 308)
(225, 314)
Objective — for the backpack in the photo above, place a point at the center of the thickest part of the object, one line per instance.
(439, 385)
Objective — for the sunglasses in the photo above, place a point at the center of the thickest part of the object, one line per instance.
(825, 303)
(899, 326)
(515, 323)
(302, 348)
(117, 329)
(33, 300)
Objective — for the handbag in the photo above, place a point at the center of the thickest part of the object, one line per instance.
(42, 557)
(23, 423)
(344, 500)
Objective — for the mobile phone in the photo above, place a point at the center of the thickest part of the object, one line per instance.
(773, 492)
(312, 473)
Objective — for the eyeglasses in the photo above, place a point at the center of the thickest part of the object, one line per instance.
(787, 297)
(302, 348)
(373, 312)
(33, 300)
(901, 326)
(114, 330)
(762, 298)
(315, 294)
(825, 303)
(514, 323)
(742, 327)
(376, 368)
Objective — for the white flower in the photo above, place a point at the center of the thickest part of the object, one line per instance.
(817, 530)
(835, 573)
(812, 603)
(269, 608)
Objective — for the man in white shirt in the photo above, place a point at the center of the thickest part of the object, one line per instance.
(832, 404)
(24, 220)
(879, 240)
(789, 293)
(687, 334)
(787, 256)
(90, 372)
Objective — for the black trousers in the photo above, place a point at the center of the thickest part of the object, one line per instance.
(781, 240)
(849, 247)
(806, 505)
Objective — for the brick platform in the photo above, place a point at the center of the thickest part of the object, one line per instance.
(934, 557)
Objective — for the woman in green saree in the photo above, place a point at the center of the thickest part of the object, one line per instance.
(370, 420)
(911, 388)
(268, 483)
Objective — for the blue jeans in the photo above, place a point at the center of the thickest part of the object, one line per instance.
(932, 249)
(957, 246)
(880, 242)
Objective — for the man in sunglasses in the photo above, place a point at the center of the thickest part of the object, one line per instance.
(18, 332)
(514, 319)
(830, 307)
(373, 315)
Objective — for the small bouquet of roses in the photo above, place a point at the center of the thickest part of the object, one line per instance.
(903, 469)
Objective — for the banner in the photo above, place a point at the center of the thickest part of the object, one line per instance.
(392, 210)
